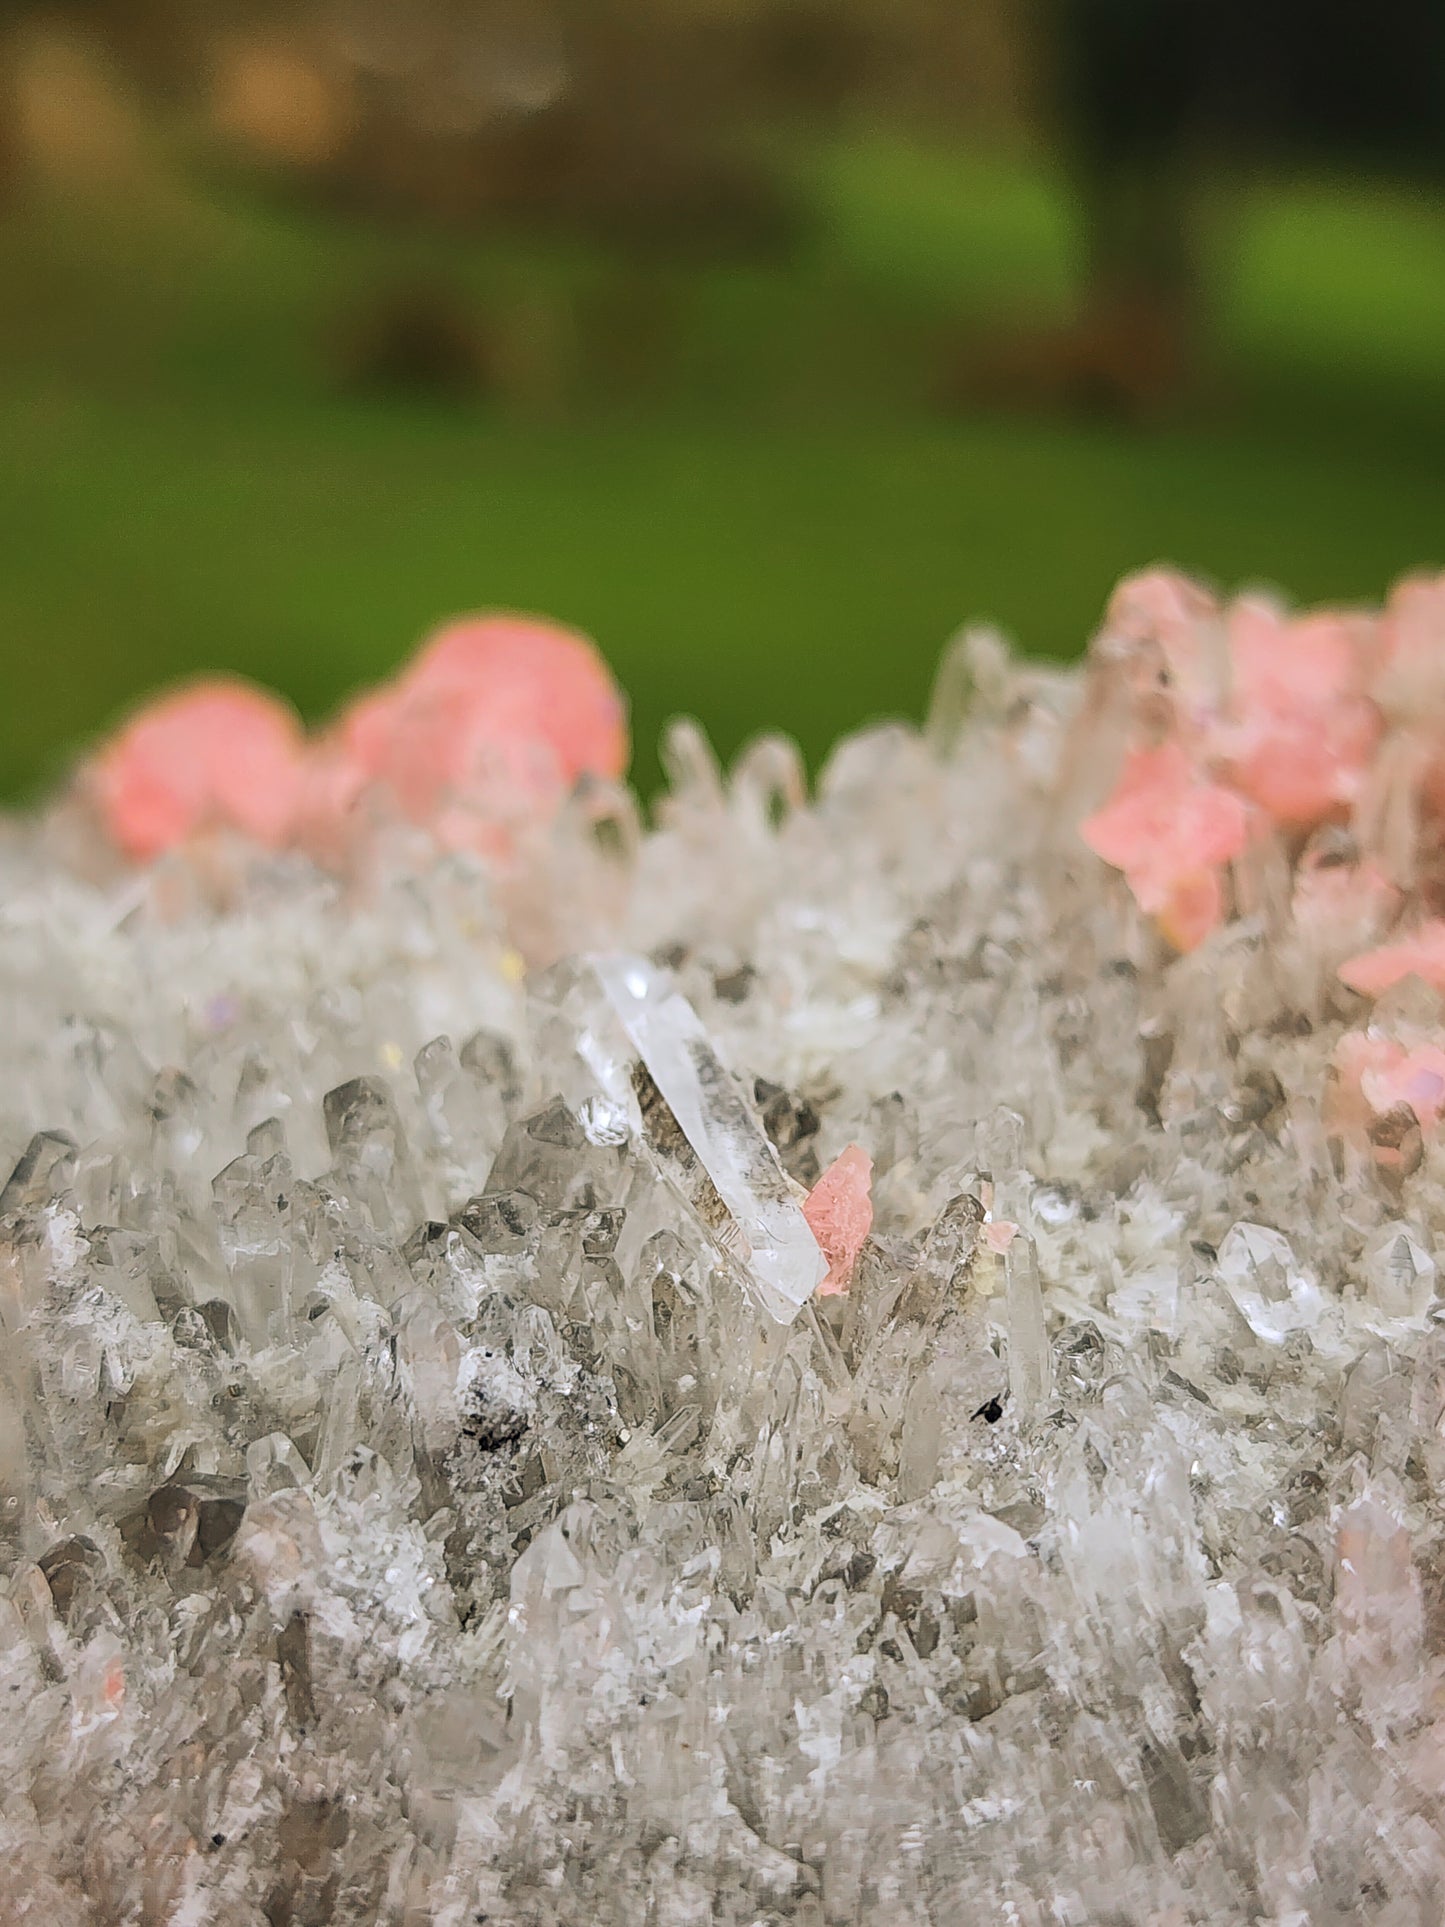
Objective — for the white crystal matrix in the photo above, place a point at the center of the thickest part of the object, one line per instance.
(430, 1491)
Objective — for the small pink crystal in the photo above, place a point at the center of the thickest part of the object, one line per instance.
(999, 1234)
(1192, 908)
(1419, 955)
(531, 681)
(495, 720)
(839, 1210)
(216, 755)
(1161, 625)
(362, 734)
(1302, 768)
(1301, 731)
(1160, 605)
(1170, 831)
(1387, 1073)
(1411, 682)
(1279, 660)
(1410, 687)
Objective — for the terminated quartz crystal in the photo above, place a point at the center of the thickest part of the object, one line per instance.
(1401, 1271)
(763, 1226)
(1263, 1277)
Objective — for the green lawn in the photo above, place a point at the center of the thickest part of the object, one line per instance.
(774, 531)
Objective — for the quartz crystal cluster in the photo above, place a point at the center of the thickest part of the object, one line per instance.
(865, 1356)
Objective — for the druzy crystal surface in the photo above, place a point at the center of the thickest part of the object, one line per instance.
(435, 1486)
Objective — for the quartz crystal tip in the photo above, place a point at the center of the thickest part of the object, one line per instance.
(766, 1230)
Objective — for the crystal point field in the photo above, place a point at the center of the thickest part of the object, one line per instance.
(870, 1356)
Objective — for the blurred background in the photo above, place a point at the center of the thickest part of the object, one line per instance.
(767, 340)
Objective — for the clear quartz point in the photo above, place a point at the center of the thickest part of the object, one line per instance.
(1261, 1274)
(769, 1234)
(1400, 1271)
(1029, 1359)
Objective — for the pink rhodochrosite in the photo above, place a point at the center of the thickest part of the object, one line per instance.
(1422, 954)
(1170, 831)
(1240, 719)
(1163, 631)
(1316, 740)
(216, 755)
(1411, 682)
(532, 679)
(497, 715)
(1302, 731)
(484, 733)
(1381, 1077)
(839, 1211)
(486, 730)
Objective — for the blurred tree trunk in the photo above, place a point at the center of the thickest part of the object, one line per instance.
(12, 157)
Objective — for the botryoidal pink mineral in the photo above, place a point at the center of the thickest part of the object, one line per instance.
(870, 1354)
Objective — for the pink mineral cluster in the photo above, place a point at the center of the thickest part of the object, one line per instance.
(493, 722)
(1298, 733)
(839, 1210)
(1420, 954)
(215, 754)
(1171, 830)
(489, 728)
(1322, 733)
(1241, 720)
(1233, 731)
(1387, 1073)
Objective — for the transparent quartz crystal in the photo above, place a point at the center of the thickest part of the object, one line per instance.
(765, 1230)
(1262, 1275)
(1400, 1271)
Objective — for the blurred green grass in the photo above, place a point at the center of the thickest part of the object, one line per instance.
(767, 524)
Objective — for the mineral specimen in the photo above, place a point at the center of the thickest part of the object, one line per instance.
(487, 729)
(840, 1211)
(218, 755)
(847, 1358)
